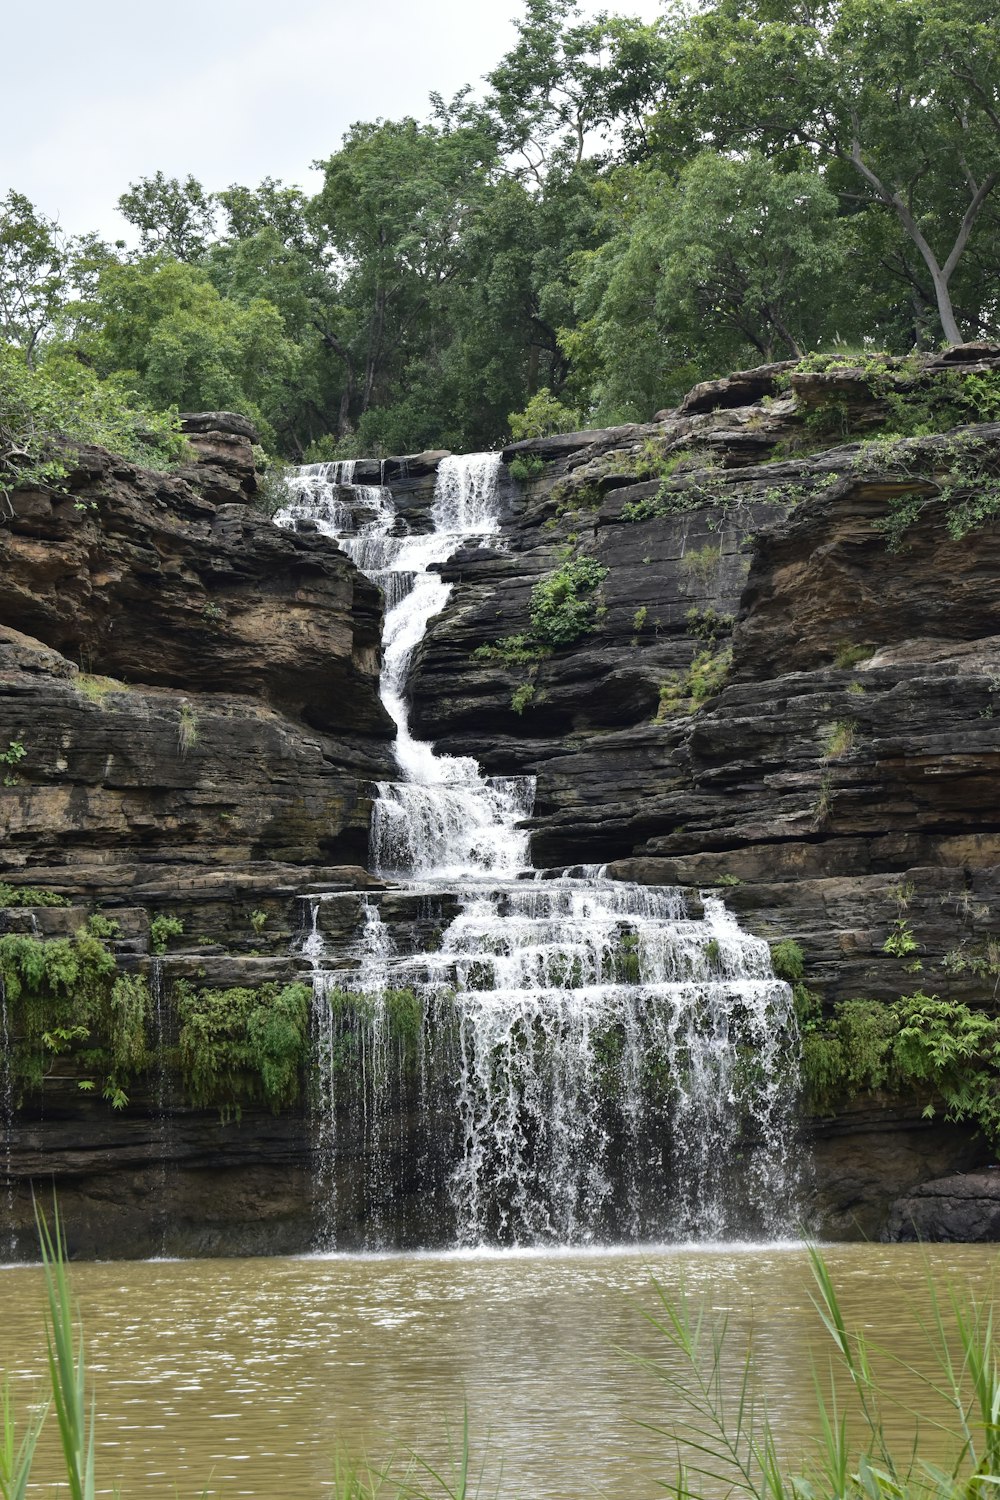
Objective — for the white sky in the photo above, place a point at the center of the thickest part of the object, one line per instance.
(97, 93)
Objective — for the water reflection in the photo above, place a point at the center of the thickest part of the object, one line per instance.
(245, 1375)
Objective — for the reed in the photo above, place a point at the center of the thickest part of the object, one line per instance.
(736, 1450)
(67, 1388)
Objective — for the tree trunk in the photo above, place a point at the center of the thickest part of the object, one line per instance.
(940, 275)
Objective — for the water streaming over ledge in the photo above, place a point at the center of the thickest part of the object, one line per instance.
(520, 1057)
(7, 1249)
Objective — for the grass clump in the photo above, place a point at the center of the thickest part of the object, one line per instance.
(839, 739)
(685, 692)
(702, 563)
(848, 655)
(708, 625)
(355, 1011)
(826, 794)
(187, 727)
(95, 689)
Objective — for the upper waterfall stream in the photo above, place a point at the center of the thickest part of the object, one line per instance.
(512, 1056)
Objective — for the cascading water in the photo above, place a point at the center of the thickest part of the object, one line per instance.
(531, 1060)
(164, 1112)
(7, 1115)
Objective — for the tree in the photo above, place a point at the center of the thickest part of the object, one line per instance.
(33, 261)
(177, 218)
(163, 324)
(60, 403)
(565, 82)
(898, 100)
(736, 259)
(395, 200)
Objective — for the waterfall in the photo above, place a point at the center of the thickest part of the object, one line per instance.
(7, 1116)
(163, 1129)
(512, 1060)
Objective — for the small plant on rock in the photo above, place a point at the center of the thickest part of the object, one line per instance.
(702, 563)
(187, 728)
(839, 740)
(10, 758)
(162, 928)
(522, 696)
(526, 466)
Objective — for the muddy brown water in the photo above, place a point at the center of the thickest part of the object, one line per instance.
(246, 1377)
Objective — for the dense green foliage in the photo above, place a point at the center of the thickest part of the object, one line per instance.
(626, 209)
(45, 411)
(29, 895)
(65, 995)
(684, 692)
(242, 1046)
(403, 1014)
(71, 1011)
(941, 1050)
(563, 605)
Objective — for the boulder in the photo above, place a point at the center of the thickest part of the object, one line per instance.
(963, 1207)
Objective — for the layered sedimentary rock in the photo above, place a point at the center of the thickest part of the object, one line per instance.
(195, 692)
(189, 707)
(849, 752)
(188, 682)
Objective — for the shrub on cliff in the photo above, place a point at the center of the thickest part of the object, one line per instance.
(941, 1051)
(242, 1046)
(45, 412)
(563, 605)
(543, 416)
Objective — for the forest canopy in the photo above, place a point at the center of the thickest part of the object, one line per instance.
(622, 209)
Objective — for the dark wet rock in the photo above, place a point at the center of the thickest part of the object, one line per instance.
(963, 1207)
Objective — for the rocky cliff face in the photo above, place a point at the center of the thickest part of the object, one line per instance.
(765, 698)
(189, 683)
(189, 709)
(845, 757)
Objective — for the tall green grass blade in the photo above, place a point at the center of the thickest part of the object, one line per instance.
(16, 1458)
(67, 1367)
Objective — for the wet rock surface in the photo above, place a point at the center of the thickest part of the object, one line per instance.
(848, 752)
(963, 1207)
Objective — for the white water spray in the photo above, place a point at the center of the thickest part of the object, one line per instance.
(7, 1116)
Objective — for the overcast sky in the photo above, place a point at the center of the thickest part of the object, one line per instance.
(97, 94)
